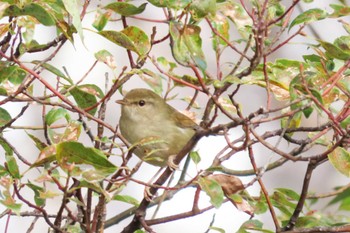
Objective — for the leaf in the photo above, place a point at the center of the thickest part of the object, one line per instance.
(252, 224)
(34, 10)
(101, 19)
(187, 44)
(127, 199)
(38, 143)
(172, 4)
(340, 159)
(195, 157)
(343, 198)
(119, 38)
(154, 80)
(39, 201)
(91, 185)
(12, 166)
(289, 193)
(11, 163)
(75, 152)
(55, 114)
(220, 23)
(72, 131)
(238, 16)
(54, 70)
(72, 6)
(125, 9)
(201, 8)
(283, 203)
(46, 155)
(131, 38)
(84, 99)
(107, 58)
(139, 39)
(13, 73)
(5, 117)
(339, 10)
(213, 189)
(343, 43)
(344, 123)
(309, 16)
(333, 51)
(218, 229)
(291, 122)
(48, 194)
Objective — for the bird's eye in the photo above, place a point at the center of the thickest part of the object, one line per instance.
(142, 103)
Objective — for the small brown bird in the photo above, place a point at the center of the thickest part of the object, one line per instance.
(156, 129)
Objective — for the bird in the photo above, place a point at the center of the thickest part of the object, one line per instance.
(156, 130)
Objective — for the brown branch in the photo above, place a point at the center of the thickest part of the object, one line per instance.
(293, 219)
(41, 210)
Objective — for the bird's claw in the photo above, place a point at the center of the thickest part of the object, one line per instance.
(171, 163)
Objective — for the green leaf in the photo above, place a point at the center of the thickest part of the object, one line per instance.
(34, 10)
(333, 51)
(84, 99)
(339, 10)
(308, 111)
(309, 16)
(72, 6)
(37, 190)
(139, 39)
(291, 123)
(340, 159)
(343, 43)
(71, 133)
(106, 57)
(131, 38)
(55, 114)
(11, 162)
(38, 143)
(343, 198)
(255, 225)
(12, 166)
(127, 199)
(236, 13)
(7, 148)
(3, 171)
(119, 38)
(344, 124)
(54, 70)
(222, 26)
(12, 73)
(196, 158)
(75, 152)
(5, 117)
(172, 4)
(154, 80)
(201, 8)
(91, 185)
(187, 44)
(289, 193)
(101, 19)
(283, 203)
(218, 229)
(125, 9)
(213, 190)
(47, 155)
(7, 199)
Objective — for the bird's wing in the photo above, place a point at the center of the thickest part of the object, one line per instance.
(183, 121)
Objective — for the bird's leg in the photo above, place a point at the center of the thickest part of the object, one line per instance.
(171, 163)
(147, 194)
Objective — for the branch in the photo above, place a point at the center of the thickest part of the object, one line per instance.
(293, 219)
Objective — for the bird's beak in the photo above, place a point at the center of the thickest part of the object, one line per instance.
(122, 102)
